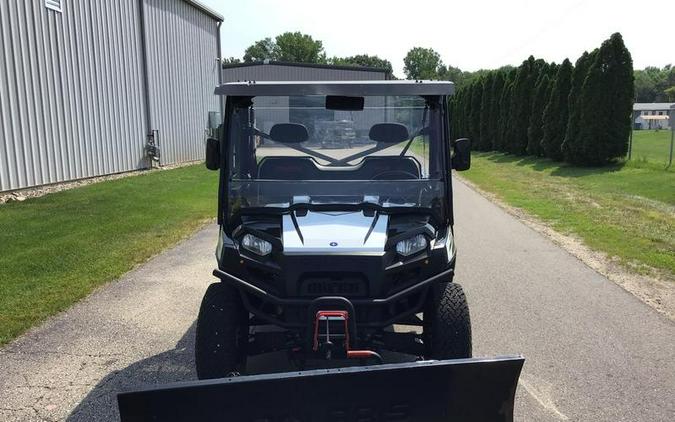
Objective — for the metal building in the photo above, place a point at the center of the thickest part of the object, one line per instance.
(83, 83)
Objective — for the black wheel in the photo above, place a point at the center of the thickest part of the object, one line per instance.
(447, 325)
(222, 333)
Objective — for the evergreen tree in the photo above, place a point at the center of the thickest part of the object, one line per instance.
(474, 111)
(553, 71)
(505, 103)
(465, 112)
(486, 86)
(455, 117)
(495, 112)
(535, 130)
(570, 144)
(521, 106)
(556, 113)
(606, 105)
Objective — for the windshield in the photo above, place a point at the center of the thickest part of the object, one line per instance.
(286, 150)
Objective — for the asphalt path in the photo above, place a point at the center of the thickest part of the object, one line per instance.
(594, 352)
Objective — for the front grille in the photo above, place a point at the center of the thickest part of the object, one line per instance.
(333, 284)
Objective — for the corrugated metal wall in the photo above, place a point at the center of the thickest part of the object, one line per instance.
(70, 91)
(72, 86)
(274, 72)
(182, 72)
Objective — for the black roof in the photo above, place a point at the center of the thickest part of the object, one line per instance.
(311, 65)
(271, 88)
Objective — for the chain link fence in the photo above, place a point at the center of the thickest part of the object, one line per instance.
(653, 136)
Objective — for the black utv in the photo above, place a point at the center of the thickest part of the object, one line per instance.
(325, 254)
(334, 246)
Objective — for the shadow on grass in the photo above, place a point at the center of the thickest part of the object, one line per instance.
(555, 168)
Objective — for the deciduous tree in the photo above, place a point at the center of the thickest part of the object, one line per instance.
(422, 63)
(293, 47)
(363, 60)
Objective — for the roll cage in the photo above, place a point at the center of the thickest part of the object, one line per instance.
(435, 94)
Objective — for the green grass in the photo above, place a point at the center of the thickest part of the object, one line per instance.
(626, 210)
(54, 250)
(651, 146)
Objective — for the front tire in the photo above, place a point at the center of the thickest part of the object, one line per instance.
(447, 324)
(221, 334)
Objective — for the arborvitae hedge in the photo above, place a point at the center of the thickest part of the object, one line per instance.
(474, 112)
(484, 142)
(570, 145)
(580, 114)
(556, 113)
(606, 105)
(535, 132)
(505, 111)
(521, 106)
(495, 112)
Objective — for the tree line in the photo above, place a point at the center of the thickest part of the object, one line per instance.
(655, 85)
(577, 113)
(652, 84)
(297, 47)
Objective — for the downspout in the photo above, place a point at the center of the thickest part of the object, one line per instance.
(150, 134)
(221, 100)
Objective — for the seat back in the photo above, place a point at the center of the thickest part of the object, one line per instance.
(306, 168)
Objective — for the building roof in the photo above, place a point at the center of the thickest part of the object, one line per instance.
(215, 15)
(652, 106)
(357, 88)
(311, 65)
(662, 117)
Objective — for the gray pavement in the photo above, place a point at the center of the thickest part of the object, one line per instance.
(594, 352)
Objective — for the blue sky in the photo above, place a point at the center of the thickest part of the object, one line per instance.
(469, 34)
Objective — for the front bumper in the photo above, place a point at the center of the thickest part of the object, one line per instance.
(389, 310)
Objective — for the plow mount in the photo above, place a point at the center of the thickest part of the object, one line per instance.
(477, 389)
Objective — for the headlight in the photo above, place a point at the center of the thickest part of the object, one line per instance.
(412, 245)
(256, 245)
(450, 246)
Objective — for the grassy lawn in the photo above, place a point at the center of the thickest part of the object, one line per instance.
(651, 146)
(627, 211)
(56, 249)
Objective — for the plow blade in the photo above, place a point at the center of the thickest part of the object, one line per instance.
(428, 391)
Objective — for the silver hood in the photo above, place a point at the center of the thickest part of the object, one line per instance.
(327, 233)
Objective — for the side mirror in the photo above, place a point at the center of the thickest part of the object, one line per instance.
(461, 157)
(212, 154)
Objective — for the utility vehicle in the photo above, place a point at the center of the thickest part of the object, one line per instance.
(337, 250)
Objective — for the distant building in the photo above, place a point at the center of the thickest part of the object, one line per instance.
(652, 115)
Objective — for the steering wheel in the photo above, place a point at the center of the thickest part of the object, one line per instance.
(389, 173)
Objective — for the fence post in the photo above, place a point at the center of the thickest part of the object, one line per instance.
(672, 134)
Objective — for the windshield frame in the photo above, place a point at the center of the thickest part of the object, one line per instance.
(438, 123)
